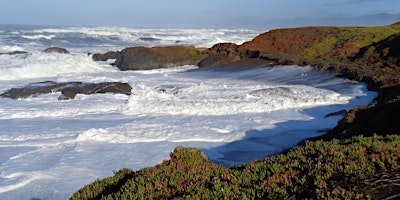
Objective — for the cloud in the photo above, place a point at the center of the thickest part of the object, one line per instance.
(380, 19)
(358, 2)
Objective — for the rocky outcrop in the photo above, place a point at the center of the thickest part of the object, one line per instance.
(68, 90)
(56, 50)
(144, 58)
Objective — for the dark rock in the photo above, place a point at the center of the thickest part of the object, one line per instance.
(14, 53)
(217, 60)
(337, 113)
(68, 90)
(169, 89)
(56, 50)
(144, 58)
(106, 56)
(149, 39)
(33, 89)
(95, 88)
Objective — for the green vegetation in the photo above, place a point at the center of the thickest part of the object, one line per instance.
(342, 42)
(356, 168)
(194, 53)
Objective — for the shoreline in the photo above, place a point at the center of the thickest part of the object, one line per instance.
(378, 117)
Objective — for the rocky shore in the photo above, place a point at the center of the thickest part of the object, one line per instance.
(367, 54)
(363, 167)
(363, 163)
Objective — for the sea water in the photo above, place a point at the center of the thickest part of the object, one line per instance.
(51, 148)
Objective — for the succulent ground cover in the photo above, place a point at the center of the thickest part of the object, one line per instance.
(356, 168)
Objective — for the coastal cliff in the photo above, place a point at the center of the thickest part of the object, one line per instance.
(367, 54)
(363, 164)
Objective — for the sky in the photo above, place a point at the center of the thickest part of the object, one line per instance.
(252, 14)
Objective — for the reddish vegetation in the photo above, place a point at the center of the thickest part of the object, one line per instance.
(292, 41)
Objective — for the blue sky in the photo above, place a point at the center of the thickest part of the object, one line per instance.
(255, 14)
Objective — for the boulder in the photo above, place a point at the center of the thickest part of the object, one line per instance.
(95, 88)
(56, 50)
(144, 58)
(68, 90)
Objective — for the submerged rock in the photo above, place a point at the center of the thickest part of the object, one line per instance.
(56, 50)
(14, 53)
(68, 90)
(337, 113)
(149, 39)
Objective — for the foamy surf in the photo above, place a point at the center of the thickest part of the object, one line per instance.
(40, 65)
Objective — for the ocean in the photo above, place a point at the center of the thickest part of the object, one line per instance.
(51, 148)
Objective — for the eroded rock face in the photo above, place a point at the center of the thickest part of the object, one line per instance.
(68, 90)
(224, 53)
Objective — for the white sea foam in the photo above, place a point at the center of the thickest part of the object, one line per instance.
(19, 180)
(41, 64)
(214, 99)
(37, 37)
(132, 36)
(7, 48)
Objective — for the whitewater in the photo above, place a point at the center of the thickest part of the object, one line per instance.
(51, 148)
